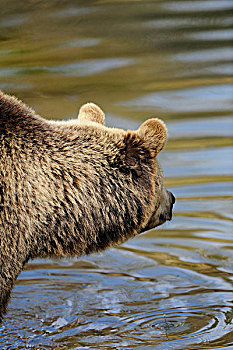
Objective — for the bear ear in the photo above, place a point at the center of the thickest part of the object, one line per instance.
(90, 112)
(154, 134)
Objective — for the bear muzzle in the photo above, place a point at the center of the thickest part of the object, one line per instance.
(162, 213)
(167, 214)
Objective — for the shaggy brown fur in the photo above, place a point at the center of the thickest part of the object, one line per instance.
(73, 187)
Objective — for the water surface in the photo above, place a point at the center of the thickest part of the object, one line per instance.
(170, 288)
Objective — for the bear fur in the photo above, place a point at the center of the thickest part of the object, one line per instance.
(73, 187)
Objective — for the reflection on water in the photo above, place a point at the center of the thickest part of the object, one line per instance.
(171, 288)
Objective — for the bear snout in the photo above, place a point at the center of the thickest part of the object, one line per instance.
(173, 198)
(162, 213)
(168, 214)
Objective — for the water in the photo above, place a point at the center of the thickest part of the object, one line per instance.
(170, 288)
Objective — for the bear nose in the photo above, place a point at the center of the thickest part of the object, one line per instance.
(173, 199)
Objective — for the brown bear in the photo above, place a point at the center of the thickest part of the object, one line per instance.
(73, 187)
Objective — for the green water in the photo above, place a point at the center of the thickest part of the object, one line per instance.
(170, 288)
